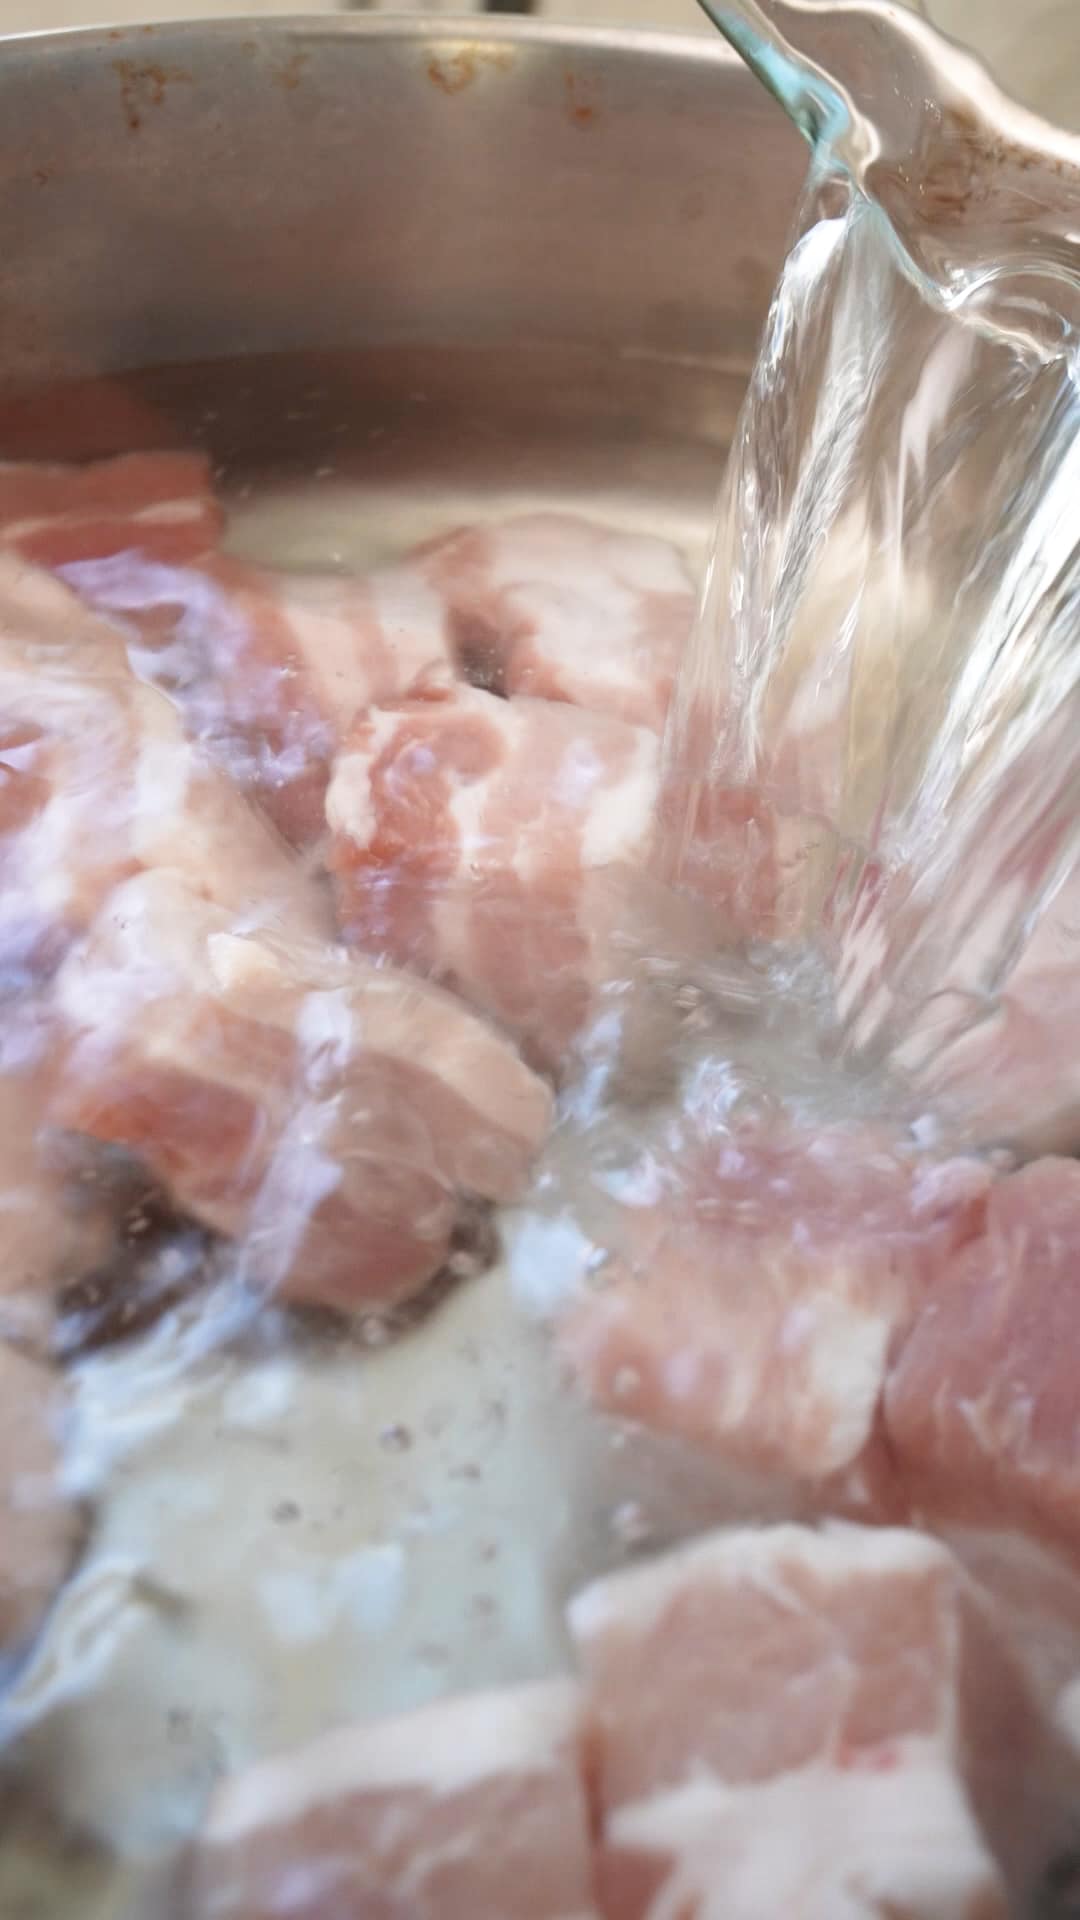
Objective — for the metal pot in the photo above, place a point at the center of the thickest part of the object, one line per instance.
(457, 259)
(404, 271)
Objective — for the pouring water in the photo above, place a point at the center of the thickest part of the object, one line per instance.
(878, 713)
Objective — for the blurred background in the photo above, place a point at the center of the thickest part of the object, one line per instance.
(1033, 46)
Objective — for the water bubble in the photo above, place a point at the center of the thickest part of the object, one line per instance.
(630, 1524)
(375, 1331)
(599, 1269)
(754, 1108)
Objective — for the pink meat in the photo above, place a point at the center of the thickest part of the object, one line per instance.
(326, 1112)
(808, 1724)
(159, 504)
(565, 610)
(758, 1294)
(981, 1406)
(269, 669)
(1008, 1078)
(97, 781)
(765, 872)
(38, 1524)
(479, 839)
(469, 1810)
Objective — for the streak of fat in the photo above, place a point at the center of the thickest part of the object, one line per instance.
(348, 525)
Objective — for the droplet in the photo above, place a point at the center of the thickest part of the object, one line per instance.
(754, 1108)
(598, 1269)
(630, 1524)
(374, 1331)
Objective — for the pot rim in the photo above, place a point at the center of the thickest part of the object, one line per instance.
(958, 73)
(418, 27)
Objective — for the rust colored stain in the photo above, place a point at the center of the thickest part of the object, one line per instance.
(971, 167)
(581, 110)
(142, 87)
(453, 72)
(289, 76)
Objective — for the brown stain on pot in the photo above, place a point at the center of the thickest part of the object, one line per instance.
(581, 109)
(143, 86)
(453, 72)
(289, 75)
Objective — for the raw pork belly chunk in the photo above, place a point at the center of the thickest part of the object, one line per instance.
(758, 1296)
(98, 782)
(813, 1725)
(154, 503)
(269, 668)
(469, 1810)
(553, 606)
(327, 1112)
(982, 1407)
(484, 842)
(1008, 1078)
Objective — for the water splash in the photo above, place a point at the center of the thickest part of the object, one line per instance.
(876, 738)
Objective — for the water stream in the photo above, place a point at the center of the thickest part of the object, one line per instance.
(877, 721)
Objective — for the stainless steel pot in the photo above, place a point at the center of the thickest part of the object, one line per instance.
(496, 258)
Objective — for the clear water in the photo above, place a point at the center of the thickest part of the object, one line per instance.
(887, 659)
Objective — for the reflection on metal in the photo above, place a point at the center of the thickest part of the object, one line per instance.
(457, 6)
